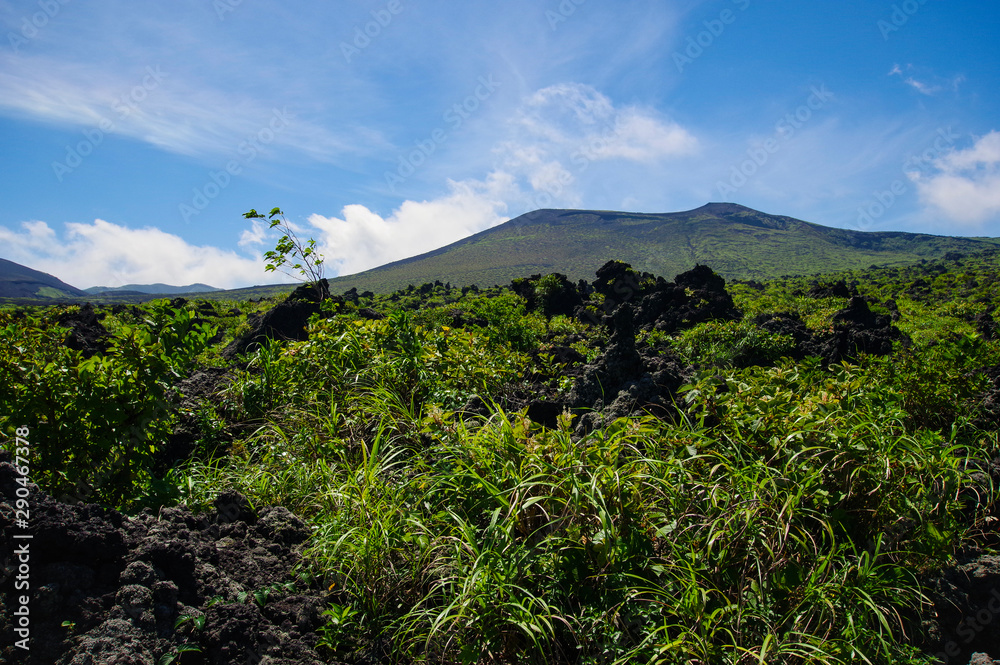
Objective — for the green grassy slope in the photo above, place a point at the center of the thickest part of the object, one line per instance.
(739, 243)
(17, 281)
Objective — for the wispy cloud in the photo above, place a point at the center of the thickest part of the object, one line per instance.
(931, 84)
(564, 130)
(152, 104)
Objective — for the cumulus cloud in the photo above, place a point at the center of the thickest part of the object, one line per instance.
(361, 239)
(574, 115)
(106, 254)
(556, 134)
(965, 184)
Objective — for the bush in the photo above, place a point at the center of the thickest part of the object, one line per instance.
(732, 344)
(96, 423)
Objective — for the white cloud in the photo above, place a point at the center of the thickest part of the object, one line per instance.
(106, 254)
(932, 85)
(561, 131)
(966, 184)
(161, 107)
(556, 134)
(256, 235)
(574, 117)
(362, 239)
(642, 138)
(922, 88)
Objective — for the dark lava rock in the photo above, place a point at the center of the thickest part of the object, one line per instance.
(546, 413)
(622, 380)
(475, 407)
(982, 659)
(86, 334)
(123, 582)
(835, 290)
(696, 296)
(553, 295)
(286, 321)
(785, 323)
(190, 393)
(856, 329)
(965, 618)
(986, 326)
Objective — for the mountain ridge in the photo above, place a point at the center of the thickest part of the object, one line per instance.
(20, 281)
(153, 289)
(736, 241)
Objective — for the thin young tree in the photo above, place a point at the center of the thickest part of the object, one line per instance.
(289, 248)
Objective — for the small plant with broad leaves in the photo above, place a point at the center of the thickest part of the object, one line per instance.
(309, 262)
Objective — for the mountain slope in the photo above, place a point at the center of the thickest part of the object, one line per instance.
(157, 288)
(737, 242)
(17, 281)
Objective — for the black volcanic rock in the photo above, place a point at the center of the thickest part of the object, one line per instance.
(123, 582)
(553, 295)
(286, 321)
(856, 329)
(86, 333)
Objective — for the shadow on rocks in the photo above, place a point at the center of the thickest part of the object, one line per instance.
(285, 321)
(123, 582)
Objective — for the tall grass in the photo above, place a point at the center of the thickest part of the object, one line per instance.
(782, 521)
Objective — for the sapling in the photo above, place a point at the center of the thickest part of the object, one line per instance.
(309, 269)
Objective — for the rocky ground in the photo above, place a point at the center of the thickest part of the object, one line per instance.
(107, 588)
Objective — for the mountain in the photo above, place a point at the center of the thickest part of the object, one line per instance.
(17, 281)
(164, 289)
(735, 241)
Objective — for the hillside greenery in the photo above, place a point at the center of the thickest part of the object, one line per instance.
(786, 511)
(737, 242)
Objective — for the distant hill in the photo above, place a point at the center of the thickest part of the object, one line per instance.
(164, 289)
(17, 281)
(735, 241)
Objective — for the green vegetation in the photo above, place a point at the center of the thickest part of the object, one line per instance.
(784, 513)
(737, 242)
(290, 248)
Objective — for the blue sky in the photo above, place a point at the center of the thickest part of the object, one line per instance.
(135, 134)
